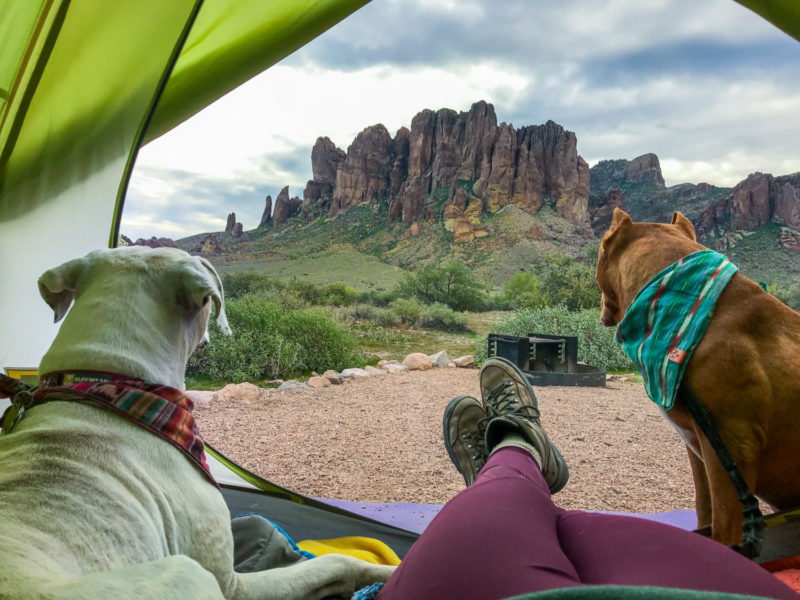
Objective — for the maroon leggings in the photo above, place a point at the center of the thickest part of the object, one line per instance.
(503, 536)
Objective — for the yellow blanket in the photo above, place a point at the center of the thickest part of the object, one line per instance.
(368, 549)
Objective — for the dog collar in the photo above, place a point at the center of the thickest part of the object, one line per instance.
(162, 410)
(669, 317)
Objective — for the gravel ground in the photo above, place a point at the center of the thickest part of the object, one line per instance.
(380, 440)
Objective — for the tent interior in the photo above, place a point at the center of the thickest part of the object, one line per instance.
(80, 94)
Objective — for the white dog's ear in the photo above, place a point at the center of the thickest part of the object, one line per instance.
(201, 282)
(684, 225)
(57, 286)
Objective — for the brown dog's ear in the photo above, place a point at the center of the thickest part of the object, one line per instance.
(57, 286)
(684, 225)
(201, 282)
(620, 218)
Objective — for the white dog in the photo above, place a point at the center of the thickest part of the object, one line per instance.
(94, 506)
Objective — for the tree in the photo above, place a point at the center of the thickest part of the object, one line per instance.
(451, 284)
(570, 284)
(523, 290)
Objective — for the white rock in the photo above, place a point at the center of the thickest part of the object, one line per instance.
(201, 397)
(373, 371)
(440, 359)
(395, 369)
(355, 372)
(293, 384)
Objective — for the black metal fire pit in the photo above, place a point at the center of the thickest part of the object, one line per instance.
(547, 359)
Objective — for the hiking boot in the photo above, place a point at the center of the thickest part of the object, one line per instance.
(463, 436)
(511, 405)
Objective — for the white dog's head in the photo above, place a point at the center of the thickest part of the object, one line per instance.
(153, 302)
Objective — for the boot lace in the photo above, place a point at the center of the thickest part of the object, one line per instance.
(502, 402)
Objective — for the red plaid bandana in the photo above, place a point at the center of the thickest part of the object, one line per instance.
(163, 410)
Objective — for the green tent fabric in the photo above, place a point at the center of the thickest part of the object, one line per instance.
(83, 84)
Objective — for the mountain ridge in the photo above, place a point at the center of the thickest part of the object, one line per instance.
(449, 176)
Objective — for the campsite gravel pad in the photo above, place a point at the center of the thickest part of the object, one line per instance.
(379, 440)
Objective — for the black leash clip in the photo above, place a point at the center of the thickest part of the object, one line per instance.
(21, 401)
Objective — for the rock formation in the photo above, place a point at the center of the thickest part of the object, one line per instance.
(602, 207)
(645, 168)
(364, 172)
(209, 244)
(285, 207)
(325, 160)
(266, 216)
(238, 230)
(454, 166)
(231, 222)
(750, 205)
(787, 200)
(153, 242)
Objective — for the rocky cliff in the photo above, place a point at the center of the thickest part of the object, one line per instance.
(452, 166)
(455, 168)
(719, 215)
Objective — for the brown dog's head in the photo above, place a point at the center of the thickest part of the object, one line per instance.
(632, 253)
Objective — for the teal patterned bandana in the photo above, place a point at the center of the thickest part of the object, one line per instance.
(669, 317)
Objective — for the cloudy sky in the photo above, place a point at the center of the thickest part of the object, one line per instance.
(707, 85)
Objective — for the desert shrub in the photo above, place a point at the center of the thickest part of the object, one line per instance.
(452, 284)
(440, 316)
(239, 283)
(308, 291)
(523, 290)
(789, 294)
(338, 294)
(596, 344)
(386, 317)
(379, 297)
(270, 341)
(366, 312)
(407, 310)
(570, 283)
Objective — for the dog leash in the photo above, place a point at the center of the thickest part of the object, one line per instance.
(753, 525)
(21, 400)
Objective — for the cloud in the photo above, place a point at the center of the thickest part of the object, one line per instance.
(526, 32)
(708, 86)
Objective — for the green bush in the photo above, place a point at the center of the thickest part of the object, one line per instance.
(407, 310)
(338, 294)
(375, 297)
(452, 284)
(386, 317)
(440, 316)
(596, 344)
(270, 341)
(523, 290)
(239, 283)
(570, 283)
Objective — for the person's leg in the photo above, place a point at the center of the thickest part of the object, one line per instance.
(495, 539)
(619, 550)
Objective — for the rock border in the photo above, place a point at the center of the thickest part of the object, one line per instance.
(415, 361)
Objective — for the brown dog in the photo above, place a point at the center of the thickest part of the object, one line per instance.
(745, 371)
